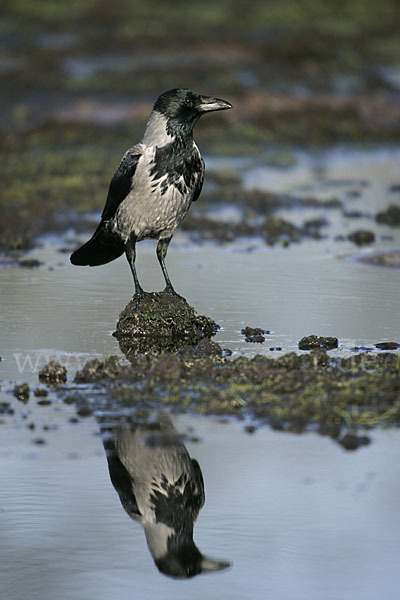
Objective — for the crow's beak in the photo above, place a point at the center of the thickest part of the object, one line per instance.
(208, 104)
(209, 564)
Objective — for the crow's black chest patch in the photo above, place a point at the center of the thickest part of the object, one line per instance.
(179, 502)
(180, 162)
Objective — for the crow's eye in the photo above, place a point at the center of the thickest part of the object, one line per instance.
(188, 101)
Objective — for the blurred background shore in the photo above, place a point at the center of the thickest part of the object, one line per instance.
(78, 81)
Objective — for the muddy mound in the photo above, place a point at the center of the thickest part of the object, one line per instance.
(160, 323)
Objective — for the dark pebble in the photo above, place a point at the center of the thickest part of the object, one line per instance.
(390, 217)
(255, 339)
(361, 237)
(30, 263)
(43, 402)
(361, 349)
(350, 441)
(254, 334)
(73, 420)
(254, 331)
(41, 392)
(84, 411)
(21, 392)
(70, 399)
(39, 441)
(311, 342)
(387, 345)
(250, 429)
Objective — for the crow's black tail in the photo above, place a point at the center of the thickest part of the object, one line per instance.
(103, 247)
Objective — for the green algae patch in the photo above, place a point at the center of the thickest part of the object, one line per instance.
(45, 190)
(313, 391)
(161, 322)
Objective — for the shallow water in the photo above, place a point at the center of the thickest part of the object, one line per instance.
(69, 313)
(297, 515)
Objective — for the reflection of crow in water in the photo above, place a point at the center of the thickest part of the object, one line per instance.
(160, 486)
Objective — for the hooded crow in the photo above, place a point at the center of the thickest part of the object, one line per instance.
(160, 486)
(154, 186)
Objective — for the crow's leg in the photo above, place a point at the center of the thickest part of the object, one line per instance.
(130, 251)
(162, 248)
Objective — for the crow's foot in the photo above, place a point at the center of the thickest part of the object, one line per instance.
(142, 295)
(170, 290)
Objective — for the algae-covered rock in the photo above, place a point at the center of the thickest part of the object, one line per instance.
(53, 373)
(390, 216)
(254, 334)
(312, 342)
(96, 369)
(161, 322)
(22, 392)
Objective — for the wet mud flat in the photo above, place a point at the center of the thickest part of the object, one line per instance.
(175, 365)
(330, 212)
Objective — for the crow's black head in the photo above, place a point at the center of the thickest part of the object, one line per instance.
(186, 106)
(187, 561)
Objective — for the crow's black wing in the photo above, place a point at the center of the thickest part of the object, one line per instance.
(121, 480)
(199, 182)
(178, 501)
(121, 183)
(200, 493)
